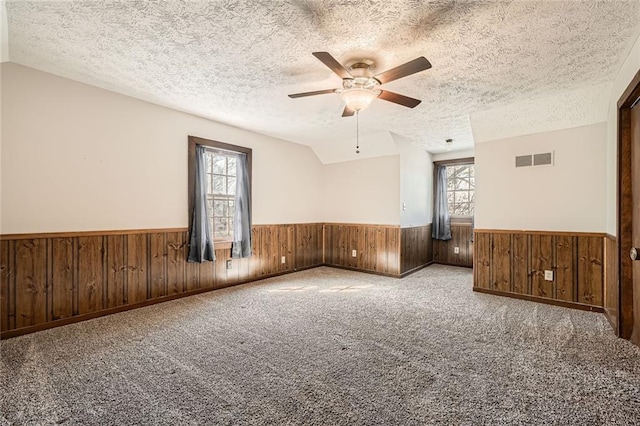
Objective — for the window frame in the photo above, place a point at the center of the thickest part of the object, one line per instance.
(222, 243)
(225, 197)
(455, 219)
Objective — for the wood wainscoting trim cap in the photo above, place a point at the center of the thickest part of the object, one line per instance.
(530, 232)
(71, 234)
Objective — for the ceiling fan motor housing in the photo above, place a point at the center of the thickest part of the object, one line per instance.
(360, 69)
(362, 79)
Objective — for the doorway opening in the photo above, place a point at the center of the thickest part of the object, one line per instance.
(627, 320)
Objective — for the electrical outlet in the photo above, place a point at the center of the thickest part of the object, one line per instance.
(456, 250)
(229, 264)
(548, 275)
(283, 260)
(354, 253)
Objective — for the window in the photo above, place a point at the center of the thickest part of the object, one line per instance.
(221, 166)
(460, 189)
(221, 192)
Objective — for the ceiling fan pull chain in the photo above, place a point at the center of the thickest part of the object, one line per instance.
(357, 132)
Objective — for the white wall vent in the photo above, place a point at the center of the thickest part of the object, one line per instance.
(543, 159)
(534, 160)
(523, 161)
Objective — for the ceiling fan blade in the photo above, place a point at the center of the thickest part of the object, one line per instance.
(334, 65)
(399, 99)
(411, 67)
(348, 112)
(317, 92)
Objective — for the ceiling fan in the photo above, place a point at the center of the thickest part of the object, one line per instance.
(360, 87)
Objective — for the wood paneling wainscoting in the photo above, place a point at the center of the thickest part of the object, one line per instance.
(381, 249)
(461, 237)
(512, 263)
(416, 248)
(48, 280)
(377, 247)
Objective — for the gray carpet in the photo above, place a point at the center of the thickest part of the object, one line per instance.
(328, 346)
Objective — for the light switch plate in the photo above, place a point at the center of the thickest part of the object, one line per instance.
(229, 264)
(456, 250)
(548, 275)
(283, 260)
(354, 253)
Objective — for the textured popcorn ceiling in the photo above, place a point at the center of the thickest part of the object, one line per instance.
(235, 61)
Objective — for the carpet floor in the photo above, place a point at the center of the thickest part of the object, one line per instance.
(328, 346)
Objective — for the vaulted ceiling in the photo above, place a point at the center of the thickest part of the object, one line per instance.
(236, 61)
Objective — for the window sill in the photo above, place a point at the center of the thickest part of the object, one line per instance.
(468, 221)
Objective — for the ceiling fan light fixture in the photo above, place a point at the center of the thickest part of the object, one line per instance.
(358, 99)
(360, 87)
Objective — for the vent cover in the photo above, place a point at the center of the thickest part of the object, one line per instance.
(534, 160)
(523, 161)
(542, 159)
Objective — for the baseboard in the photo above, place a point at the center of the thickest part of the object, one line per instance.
(384, 274)
(7, 334)
(565, 304)
(411, 271)
(366, 271)
(453, 264)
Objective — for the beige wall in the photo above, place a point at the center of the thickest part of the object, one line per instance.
(77, 158)
(628, 70)
(362, 191)
(568, 196)
(416, 184)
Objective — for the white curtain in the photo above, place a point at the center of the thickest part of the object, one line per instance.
(441, 221)
(201, 240)
(241, 246)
